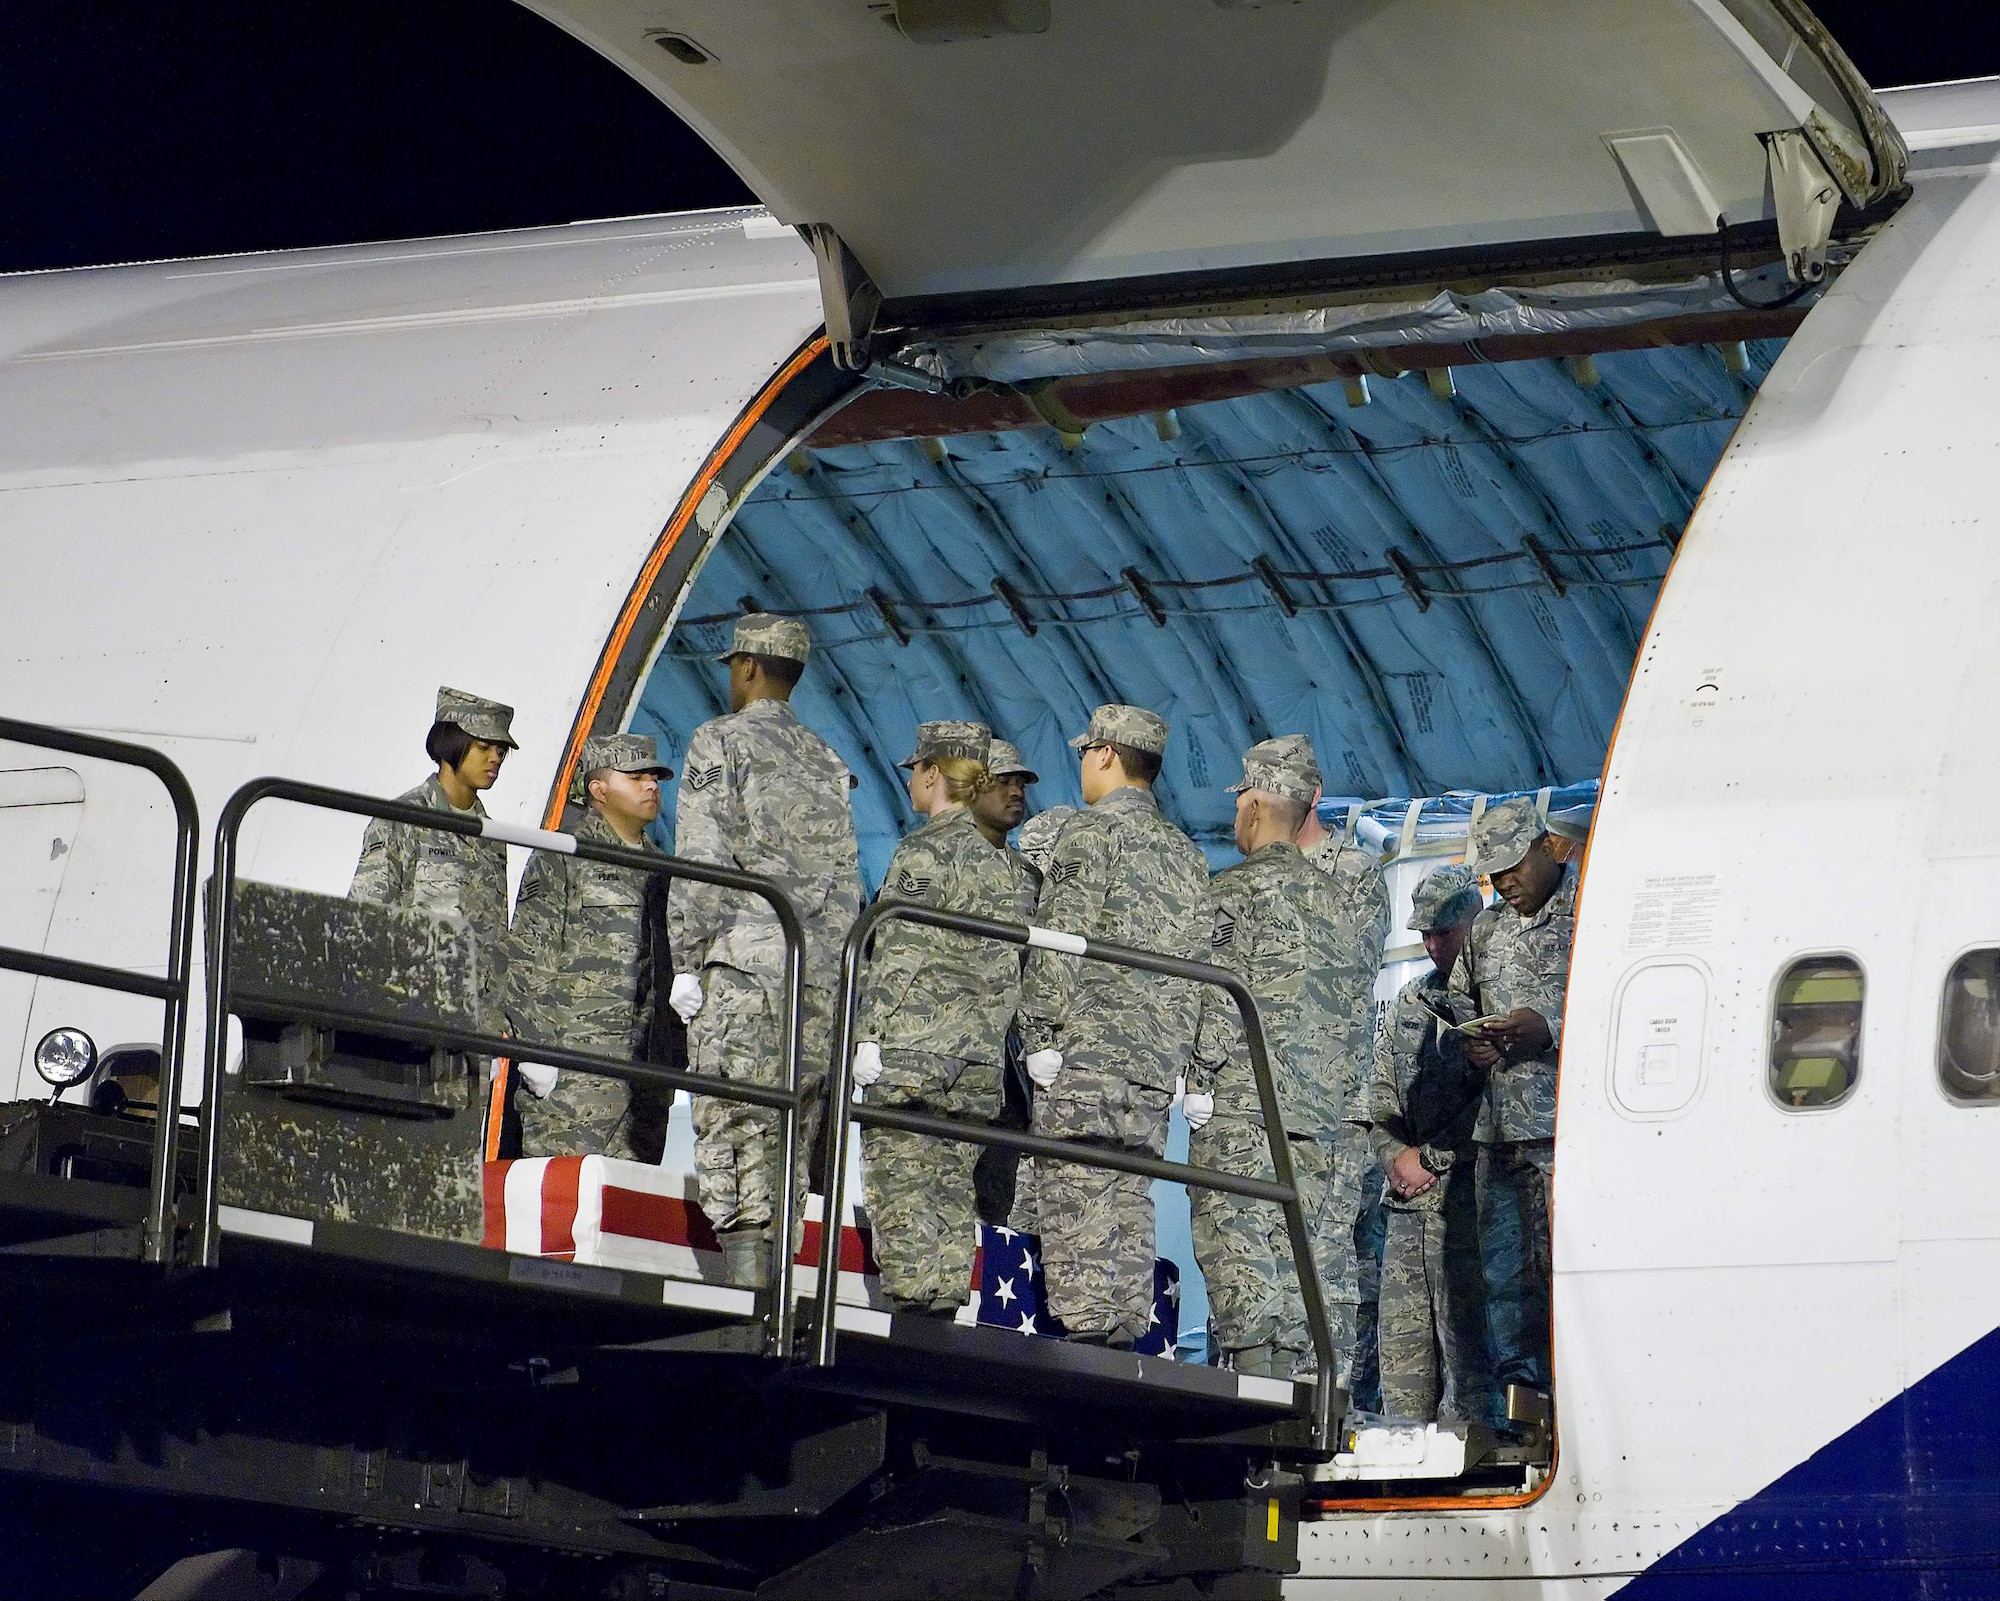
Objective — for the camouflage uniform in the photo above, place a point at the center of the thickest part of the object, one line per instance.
(1122, 873)
(1433, 1327)
(1511, 962)
(579, 977)
(1039, 834)
(939, 1005)
(762, 793)
(447, 875)
(1276, 925)
(998, 1175)
(1347, 1278)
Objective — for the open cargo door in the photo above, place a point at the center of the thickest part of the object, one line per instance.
(1020, 161)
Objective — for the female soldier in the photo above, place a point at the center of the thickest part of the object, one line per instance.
(933, 1025)
(450, 875)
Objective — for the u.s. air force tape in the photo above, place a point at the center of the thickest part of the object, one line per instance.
(1054, 939)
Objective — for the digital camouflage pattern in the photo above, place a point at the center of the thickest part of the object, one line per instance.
(763, 793)
(576, 977)
(1445, 898)
(927, 989)
(919, 1192)
(763, 634)
(1284, 766)
(1004, 760)
(482, 719)
(939, 1004)
(936, 740)
(1411, 1045)
(1503, 835)
(443, 875)
(1120, 873)
(1510, 962)
(1097, 1227)
(1242, 1245)
(1038, 835)
(1125, 725)
(1430, 1324)
(1363, 930)
(1280, 926)
(616, 753)
(736, 1036)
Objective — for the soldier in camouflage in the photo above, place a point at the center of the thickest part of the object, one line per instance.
(933, 1025)
(1423, 1102)
(1106, 1044)
(579, 964)
(1278, 925)
(1350, 1278)
(450, 875)
(1515, 966)
(762, 793)
(996, 1173)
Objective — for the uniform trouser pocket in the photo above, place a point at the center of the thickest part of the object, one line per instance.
(1097, 1227)
(919, 1191)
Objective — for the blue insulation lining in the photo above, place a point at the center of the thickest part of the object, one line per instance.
(1445, 592)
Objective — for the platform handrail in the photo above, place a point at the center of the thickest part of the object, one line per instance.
(171, 991)
(784, 1101)
(841, 1109)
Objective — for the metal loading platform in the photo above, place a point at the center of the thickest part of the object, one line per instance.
(226, 1355)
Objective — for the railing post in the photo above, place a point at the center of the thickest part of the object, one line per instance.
(839, 1097)
(158, 1238)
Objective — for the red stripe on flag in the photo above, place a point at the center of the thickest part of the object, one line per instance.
(493, 1204)
(857, 1251)
(560, 1181)
(665, 1218)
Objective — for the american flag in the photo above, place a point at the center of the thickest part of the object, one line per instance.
(1009, 1274)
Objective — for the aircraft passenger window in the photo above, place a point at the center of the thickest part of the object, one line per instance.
(1969, 1032)
(1816, 1031)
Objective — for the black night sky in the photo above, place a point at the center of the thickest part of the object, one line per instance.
(140, 129)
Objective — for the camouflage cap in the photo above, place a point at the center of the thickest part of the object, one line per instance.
(970, 740)
(1003, 760)
(1038, 836)
(1132, 726)
(1503, 835)
(622, 753)
(482, 719)
(761, 634)
(1284, 766)
(1446, 898)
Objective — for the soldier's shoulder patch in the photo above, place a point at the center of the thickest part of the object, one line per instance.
(1225, 931)
(909, 883)
(1063, 872)
(700, 778)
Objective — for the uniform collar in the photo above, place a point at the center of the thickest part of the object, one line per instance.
(767, 707)
(434, 791)
(1127, 797)
(595, 829)
(1276, 850)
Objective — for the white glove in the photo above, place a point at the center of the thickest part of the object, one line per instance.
(538, 1078)
(867, 1064)
(1197, 1108)
(1043, 1066)
(685, 997)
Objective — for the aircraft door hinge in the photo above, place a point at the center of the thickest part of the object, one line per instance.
(1806, 197)
(848, 296)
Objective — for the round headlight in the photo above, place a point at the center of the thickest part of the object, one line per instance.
(65, 1056)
